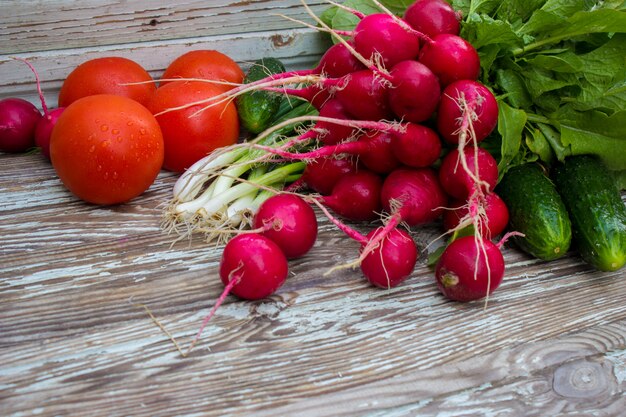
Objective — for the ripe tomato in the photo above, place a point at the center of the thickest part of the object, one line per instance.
(107, 76)
(189, 137)
(205, 64)
(106, 149)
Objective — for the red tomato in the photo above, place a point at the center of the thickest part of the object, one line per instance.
(205, 64)
(189, 137)
(106, 149)
(107, 76)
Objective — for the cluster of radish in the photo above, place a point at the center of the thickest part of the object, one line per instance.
(401, 115)
(23, 126)
(390, 93)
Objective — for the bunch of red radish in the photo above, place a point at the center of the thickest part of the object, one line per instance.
(391, 93)
(397, 98)
(22, 125)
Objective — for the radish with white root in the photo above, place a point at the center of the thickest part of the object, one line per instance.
(288, 221)
(433, 17)
(473, 170)
(386, 257)
(356, 196)
(490, 216)
(470, 268)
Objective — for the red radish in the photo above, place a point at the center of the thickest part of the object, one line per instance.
(387, 255)
(356, 196)
(480, 172)
(469, 269)
(333, 133)
(364, 96)
(253, 266)
(492, 216)
(322, 174)
(382, 35)
(418, 147)
(338, 61)
(467, 113)
(392, 261)
(43, 129)
(290, 222)
(18, 119)
(432, 17)
(417, 193)
(451, 58)
(378, 155)
(415, 93)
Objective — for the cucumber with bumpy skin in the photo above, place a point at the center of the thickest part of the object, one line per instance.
(536, 210)
(596, 209)
(257, 109)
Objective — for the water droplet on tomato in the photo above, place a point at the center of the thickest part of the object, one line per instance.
(119, 139)
(115, 131)
(104, 128)
(92, 149)
(114, 175)
(99, 168)
(129, 123)
(142, 131)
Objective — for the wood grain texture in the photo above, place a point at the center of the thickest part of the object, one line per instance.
(551, 341)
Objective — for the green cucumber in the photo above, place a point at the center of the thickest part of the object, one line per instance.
(597, 211)
(536, 210)
(257, 109)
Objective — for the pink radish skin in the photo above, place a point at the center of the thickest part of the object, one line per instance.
(381, 34)
(469, 269)
(451, 58)
(356, 196)
(392, 261)
(458, 183)
(387, 254)
(255, 264)
(322, 174)
(290, 222)
(481, 110)
(418, 147)
(43, 130)
(338, 61)
(493, 221)
(432, 17)
(18, 119)
(418, 192)
(333, 132)
(364, 96)
(415, 93)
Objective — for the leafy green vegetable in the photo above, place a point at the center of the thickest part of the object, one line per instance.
(559, 69)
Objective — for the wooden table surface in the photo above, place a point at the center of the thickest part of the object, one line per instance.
(551, 341)
(73, 342)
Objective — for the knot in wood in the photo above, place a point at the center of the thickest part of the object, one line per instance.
(580, 379)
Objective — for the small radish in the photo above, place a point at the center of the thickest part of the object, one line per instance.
(467, 112)
(387, 254)
(492, 216)
(382, 35)
(415, 93)
(418, 147)
(473, 170)
(252, 267)
(43, 129)
(356, 196)
(322, 174)
(288, 221)
(451, 58)
(432, 17)
(469, 269)
(416, 193)
(18, 119)
(364, 96)
(392, 261)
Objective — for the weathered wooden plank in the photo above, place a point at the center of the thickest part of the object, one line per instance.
(26, 26)
(71, 339)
